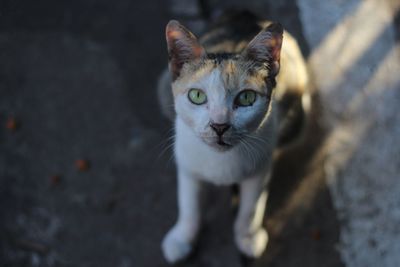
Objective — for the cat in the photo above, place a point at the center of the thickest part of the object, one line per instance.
(228, 92)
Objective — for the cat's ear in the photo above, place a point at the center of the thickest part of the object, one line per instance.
(266, 47)
(182, 47)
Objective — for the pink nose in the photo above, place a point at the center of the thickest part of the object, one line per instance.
(220, 128)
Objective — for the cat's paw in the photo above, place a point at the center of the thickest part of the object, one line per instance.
(252, 244)
(175, 248)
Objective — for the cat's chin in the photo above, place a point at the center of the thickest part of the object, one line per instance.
(219, 145)
(222, 146)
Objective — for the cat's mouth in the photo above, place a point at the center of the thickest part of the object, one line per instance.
(222, 143)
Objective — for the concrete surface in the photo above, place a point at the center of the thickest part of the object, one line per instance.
(79, 77)
(356, 62)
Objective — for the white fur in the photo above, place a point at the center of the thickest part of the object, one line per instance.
(198, 162)
(201, 159)
(178, 242)
(206, 163)
(242, 155)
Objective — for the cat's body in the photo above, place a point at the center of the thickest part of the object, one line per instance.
(228, 119)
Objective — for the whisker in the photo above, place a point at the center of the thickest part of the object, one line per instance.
(171, 157)
(257, 150)
(167, 143)
(167, 147)
(249, 147)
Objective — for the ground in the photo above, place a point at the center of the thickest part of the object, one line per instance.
(79, 79)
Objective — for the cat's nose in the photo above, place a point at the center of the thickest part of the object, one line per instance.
(220, 128)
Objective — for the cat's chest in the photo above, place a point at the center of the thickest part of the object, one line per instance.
(208, 164)
(216, 167)
(222, 168)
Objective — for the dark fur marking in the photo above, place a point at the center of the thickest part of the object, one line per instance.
(219, 57)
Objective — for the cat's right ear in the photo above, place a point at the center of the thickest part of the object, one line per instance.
(182, 47)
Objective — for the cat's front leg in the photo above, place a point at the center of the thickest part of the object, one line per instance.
(250, 236)
(178, 242)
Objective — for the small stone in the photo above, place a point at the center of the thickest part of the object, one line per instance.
(82, 165)
(316, 234)
(11, 124)
(55, 180)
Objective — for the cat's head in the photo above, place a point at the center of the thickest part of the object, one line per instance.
(223, 98)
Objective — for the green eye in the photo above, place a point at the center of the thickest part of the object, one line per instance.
(197, 96)
(246, 98)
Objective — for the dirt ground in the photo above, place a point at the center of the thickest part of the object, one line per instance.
(79, 80)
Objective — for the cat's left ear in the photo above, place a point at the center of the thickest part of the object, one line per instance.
(182, 47)
(266, 47)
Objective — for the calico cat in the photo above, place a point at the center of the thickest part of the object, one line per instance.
(228, 90)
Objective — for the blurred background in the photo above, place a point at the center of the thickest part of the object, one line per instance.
(87, 176)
